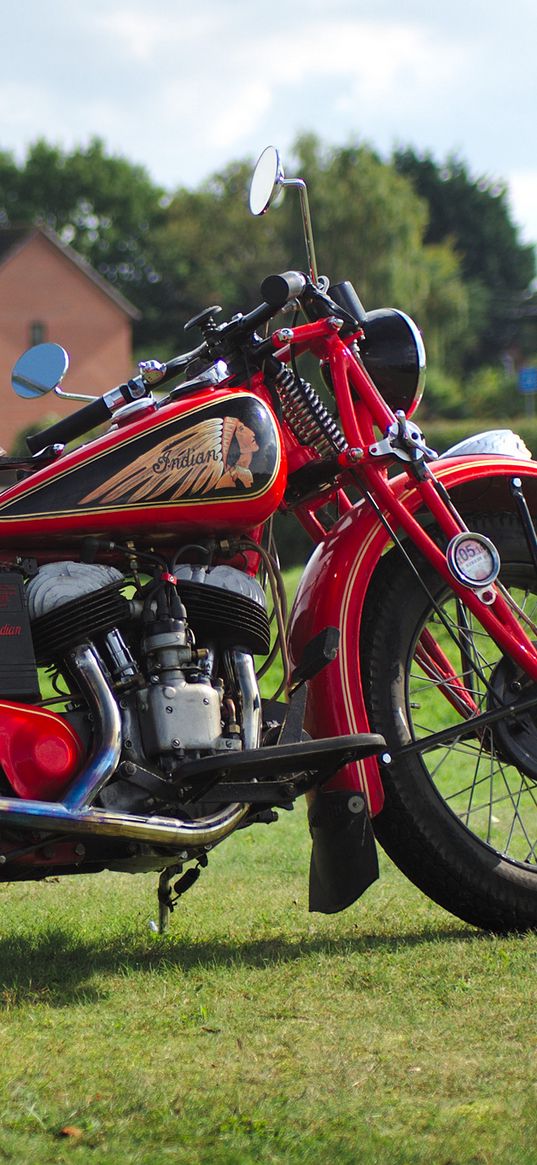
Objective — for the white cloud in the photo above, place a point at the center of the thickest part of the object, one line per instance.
(146, 36)
(373, 55)
(523, 201)
(185, 87)
(238, 115)
(334, 78)
(23, 105)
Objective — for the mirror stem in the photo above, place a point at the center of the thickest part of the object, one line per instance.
(306, 222)
(73, 395)
(308, 232)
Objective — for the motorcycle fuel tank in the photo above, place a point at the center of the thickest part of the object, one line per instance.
(211, 463)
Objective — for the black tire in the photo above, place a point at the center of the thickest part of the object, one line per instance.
(459, 821)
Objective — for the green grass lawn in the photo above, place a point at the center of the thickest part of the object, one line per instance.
(254, 1031)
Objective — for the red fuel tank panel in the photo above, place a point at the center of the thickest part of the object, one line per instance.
(213, 462)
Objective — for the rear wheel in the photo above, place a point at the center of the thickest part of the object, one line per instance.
(459, 819)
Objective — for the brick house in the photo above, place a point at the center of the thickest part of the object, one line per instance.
(48, 292)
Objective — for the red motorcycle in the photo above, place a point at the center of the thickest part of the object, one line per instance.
(134, 578)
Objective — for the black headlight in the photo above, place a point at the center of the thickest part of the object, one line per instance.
(394, 355)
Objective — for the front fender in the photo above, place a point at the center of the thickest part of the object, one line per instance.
(335, 583)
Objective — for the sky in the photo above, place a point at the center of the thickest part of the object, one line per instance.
(186, 86)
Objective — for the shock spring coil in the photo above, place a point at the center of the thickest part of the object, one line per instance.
(306, 415)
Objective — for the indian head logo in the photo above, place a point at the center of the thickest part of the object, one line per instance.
(219, 450)
(218, 454)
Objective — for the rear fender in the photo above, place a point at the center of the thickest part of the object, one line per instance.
(335, 584)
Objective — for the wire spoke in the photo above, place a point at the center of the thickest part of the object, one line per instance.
(481, 785)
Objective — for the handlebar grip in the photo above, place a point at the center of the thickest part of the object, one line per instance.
(278, 289)
(70, 427)
(178, 364)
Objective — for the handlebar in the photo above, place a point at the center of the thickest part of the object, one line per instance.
(277, 291)
(178, 364)
(72, 426)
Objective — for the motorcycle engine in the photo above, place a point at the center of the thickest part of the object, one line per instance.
(179, 660)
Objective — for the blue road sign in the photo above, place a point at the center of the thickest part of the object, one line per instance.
(527, 380)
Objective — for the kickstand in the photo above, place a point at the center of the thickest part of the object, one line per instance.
(165, 901)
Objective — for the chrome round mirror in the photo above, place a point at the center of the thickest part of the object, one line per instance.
(39, 370)
(266, 180)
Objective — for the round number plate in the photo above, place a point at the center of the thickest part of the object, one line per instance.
(473, 560)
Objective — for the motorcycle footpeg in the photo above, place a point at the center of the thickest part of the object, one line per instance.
(344, 858)
(319, 652)
(320, 757)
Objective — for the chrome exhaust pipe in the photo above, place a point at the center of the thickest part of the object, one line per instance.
(84, 664)
(75, 813)
(243, 669)
(168, 831)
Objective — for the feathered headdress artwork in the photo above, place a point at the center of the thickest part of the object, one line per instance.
(229, 428)
(192, 462)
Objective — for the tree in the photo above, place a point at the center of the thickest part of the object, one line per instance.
(474, 214)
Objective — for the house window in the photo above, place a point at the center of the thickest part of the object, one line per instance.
(38, 332)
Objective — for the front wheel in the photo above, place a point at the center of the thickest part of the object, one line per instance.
(459, 819)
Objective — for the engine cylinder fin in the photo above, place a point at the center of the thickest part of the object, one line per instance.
(233, 620)
(80, 619)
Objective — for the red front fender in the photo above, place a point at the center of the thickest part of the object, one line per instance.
(335, 583)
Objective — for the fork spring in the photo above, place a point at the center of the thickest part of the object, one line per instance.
(306, 415)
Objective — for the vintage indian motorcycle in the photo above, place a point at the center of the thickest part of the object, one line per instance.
(134, 578)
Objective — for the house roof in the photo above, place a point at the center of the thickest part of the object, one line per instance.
(12, 239)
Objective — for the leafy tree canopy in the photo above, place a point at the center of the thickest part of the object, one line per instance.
(474, 214)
